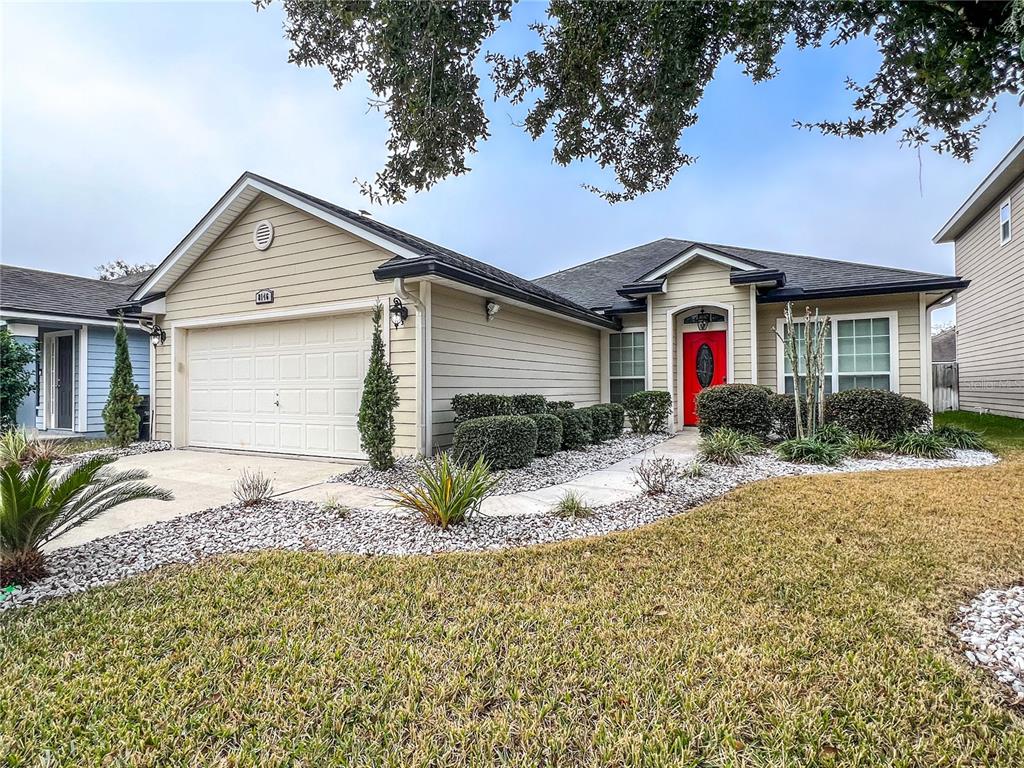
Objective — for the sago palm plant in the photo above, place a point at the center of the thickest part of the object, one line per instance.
(37, 505)
(447, 494)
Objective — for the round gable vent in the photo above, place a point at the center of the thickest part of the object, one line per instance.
(263, 235)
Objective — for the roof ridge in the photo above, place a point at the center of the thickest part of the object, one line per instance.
(610, 255)
(62, 274)
(826, 258)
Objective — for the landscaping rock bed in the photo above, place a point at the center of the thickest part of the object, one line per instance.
(991, 628)
(135, 449)
(561, 467)
(304, 525)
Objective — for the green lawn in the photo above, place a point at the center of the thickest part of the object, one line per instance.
(1005, 433)
(793, 622)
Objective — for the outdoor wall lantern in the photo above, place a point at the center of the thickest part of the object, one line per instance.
(491, 307)
(703, 319)
(157, 335)
(399, 313)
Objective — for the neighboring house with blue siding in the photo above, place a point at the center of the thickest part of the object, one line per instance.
(67, 318)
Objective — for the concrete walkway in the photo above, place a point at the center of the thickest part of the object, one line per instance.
(606, 486)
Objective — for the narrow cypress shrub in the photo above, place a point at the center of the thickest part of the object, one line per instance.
(120, 419)
(378, 403)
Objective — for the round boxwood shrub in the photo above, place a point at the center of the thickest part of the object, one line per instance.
(648, 411)
(504, 442)
(746, 408)
(549, 433)
(875, 412)
(577, 425)
(783, 409)
(618, 414)
(524, 405)
(602, 423)
(477, 405)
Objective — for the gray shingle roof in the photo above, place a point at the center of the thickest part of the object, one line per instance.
(595, 283)
(33, 290)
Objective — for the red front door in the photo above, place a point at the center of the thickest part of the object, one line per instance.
(704, 365)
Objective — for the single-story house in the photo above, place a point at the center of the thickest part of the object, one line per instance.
(68, 318)
(987, 232)
(264, 310)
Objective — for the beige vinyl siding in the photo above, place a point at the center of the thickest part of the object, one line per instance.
(700, 280)
(908, 314)
(990, 312)
(309, 263)
(518, 350)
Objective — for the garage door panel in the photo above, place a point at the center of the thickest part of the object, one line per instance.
(288, 387)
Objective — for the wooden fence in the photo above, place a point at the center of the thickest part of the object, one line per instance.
(945, 387)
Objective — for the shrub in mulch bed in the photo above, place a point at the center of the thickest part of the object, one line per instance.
(601, 429)
(577, 425)
(648, 411)
(742, 407)
(618, 418)
(783, 408)
(549, 433)
(876, 412)
(504, 442)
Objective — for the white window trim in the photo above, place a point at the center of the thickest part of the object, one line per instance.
(894, 348)
(1009, 221)
(606, 374)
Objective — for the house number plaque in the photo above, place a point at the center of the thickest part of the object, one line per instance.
(266, 296)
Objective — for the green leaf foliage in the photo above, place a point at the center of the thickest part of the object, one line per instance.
(602, 424)
(549, 433)
(577, 428)
(810, 450)
(476, 405)
(876, 412)
(743, 407)
(619, 83)
(503, 442)
(446, 493)
(120, 419)
(379, 400)
(618, 414)
(16, 379)
(648, 411)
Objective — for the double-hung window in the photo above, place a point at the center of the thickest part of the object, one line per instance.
(1005, 227)
(626, 356)
(859, 354)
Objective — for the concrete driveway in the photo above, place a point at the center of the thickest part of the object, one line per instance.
(199, 480)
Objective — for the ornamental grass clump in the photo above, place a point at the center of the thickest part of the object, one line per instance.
(810, 450)
(573, 506)
(834, 434)
(252, 487)
(655, 474)
(865, 447)
(447, 493)
(923, 445)
(727, 446)
(16, 446)
(961, 438)
(37, 506)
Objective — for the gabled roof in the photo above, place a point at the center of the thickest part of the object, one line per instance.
(991, 189)
(596, 283)
(24, 289)
(413, 256)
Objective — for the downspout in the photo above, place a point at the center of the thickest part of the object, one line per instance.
(422, 366)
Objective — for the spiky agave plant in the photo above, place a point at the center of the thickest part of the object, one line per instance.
(37, 505)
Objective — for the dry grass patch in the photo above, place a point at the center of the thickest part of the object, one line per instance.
(794, 622)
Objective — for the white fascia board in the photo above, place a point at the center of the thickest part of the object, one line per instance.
(689, 255)
(68, 320)
(245, 184)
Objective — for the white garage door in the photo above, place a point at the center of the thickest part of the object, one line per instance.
(282, 387)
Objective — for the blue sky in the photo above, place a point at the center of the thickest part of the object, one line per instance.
(123, 123)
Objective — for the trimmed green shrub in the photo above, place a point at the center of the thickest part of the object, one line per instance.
(648, 411)
(925, 445)
(810, 450)
(120, 419)
(961, 438)
(560, 405)
(744, 407)
(477, 405)
(577, 425)
(549, 433)
(16, 379)
(727, 446)
(504, 442)
(875, 412)
(380, 398)
(602, 423)
(524, 405)
(618, 414)
(783, 409)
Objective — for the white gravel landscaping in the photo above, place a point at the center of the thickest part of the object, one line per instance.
(991, 627)
(562, 467)
(135, 449)
(305, 525)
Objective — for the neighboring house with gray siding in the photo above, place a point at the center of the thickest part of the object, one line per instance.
(988, 236)
(263, 311)
(67, 318)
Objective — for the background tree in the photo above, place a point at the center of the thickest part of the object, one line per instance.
(378, 403)
(16, 380)
(118, 268)
(120, 419)
(619, 82)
